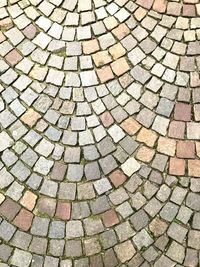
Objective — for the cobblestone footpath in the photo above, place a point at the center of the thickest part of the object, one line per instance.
(99, 133)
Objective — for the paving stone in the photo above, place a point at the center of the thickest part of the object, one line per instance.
(107, 168)
(192, 201)
(6, 230)
(5, 252)
(130, 166)
(99, 205)
(110, 258)
(73, 248)
(51, 261)
(169, 211)
(139, 219)
(102, 186)
(164, 261)
(6, 178)
(92, 171)
(92, 246)
(158, 227)
(176, 252)
(47, 206)
(125, 251)
(80, 210)
(162, 242)
(40, 226)
(177, 232)
(108, 239)
(153, 207)
(124, 231)
(23, 220)
(72, 155)
(67, 191)
(150, 254)
(74, 172)
(142, 239)
(191, 257)
(184, 214)
(93, 226)
(43, 166)
(21, 258)
(57, 229)
(193, 239)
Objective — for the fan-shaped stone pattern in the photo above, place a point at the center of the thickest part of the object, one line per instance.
(99, 140)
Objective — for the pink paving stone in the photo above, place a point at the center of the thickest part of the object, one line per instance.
(140, 13)
(106, 119)
(160, 5)
(145, 3)
(176, 166)
(145, 154)
(30, 31)
(166, 146)
(194, 79)
(121, 31)
(177, 129)
(110, 218)
(185, 149)
(182, 112)
(58, 172)
(117, 178)
(6, 23)
(105, 74)
(29, 200)
(63, 210)
(197, 144)
(13, 57)
(130, 126)
(9, 208)
(189, 10)
(23, 220)
(194, 168)
(2, 37)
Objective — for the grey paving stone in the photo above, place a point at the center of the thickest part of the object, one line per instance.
(108, 239)
(74, 229)
(142, 239)
(21, 258)
(139, 219)
(80, 210)
(40, 226)
(92, 171)
(177, 232)
(169, 211)
(108, 164)
(192, 201)
(73, 248)
(99, 205)
(57, 229)
(176, 252)
(74, 172)
(51, 261)
(93, 226)
(5, 252)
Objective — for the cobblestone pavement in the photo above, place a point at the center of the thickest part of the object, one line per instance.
(99, 140)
